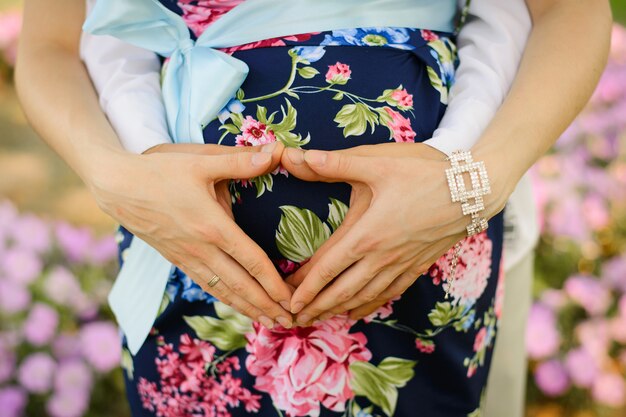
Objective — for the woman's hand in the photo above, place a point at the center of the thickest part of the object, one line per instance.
(176, 203)
(403, 222)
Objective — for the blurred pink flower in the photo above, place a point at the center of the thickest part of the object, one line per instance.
(542, 336)
(41, 324)
(103, 250)
(608, 389)
(555, 299)
(581, 367)
(31, 233)
(594, 336)
(614, 274)
(7, 361)
(68, 404)
(61, 286)
(596, 212)
(100, 345)
(73, 376)
(551, 378)
(66, 346)
(14, 297)
(21, 265)
(10, 27)
(589, 292)
(12, 401)
(36, 372)
(75, 242)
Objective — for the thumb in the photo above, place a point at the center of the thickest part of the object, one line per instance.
(242, 165)
(341, 166)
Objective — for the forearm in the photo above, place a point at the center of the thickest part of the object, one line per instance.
(60, 103)
(559, 70)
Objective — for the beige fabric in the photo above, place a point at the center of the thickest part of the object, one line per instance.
(506, 386)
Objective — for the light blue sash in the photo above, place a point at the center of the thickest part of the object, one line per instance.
(200, 80)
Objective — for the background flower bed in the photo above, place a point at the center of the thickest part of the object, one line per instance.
(59, 347)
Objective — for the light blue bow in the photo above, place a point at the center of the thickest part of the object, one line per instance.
(200, 80)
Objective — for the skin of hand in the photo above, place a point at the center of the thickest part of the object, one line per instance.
(172, 200)
(383, 245)
(518, 135)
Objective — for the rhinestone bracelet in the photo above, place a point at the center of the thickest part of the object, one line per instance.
(480, 187)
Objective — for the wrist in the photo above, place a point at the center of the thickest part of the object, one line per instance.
(502, 173)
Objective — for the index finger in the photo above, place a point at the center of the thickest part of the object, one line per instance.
(249, 254)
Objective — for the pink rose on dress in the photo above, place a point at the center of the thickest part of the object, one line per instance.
(383, 311)
(479, 340)
(198, 14)
(472, 271)
(305, 366)
(403, 99)
(429, 35)
(400, 126)
(269, 42)
(338, 73)
(254, 133)
(425, 346)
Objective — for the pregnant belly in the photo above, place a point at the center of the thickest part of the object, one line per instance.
(330, 98)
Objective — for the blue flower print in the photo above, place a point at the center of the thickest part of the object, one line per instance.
(190, 290)
(233, 106)
(374, 36)
(310, 53)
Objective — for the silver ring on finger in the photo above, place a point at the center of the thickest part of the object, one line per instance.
(214, 280)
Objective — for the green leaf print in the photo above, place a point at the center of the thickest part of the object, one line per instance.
(354, 119)
(436, 82)
(380, 384)
(338, 96)
(227, 333)
(230, 128)
(336, 213)
(307, 72)
(444, 313)
(300, 233)
(262, 183)
(283, 130)
(397, 371)
(240, 94)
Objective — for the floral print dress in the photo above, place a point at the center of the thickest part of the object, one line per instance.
(421, 354)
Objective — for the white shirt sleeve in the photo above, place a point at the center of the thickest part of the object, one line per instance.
(127, 79)
(490, 47)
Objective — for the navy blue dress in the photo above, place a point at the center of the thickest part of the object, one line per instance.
(420, 354)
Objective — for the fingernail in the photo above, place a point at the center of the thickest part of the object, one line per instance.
(266, 321)
(268, 147)
(299, 305)
(326, 316)
(261, 158)
(304, 319)
(285, 305)
(285, 322)
(315, 157)
(295, 155)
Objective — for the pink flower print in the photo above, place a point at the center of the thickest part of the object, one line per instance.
(429, 35)
(400, 126)
(186, 387)
(472, 271)
(338, 73)
(199, 14)
(382, 312)
(303, 367)
(254, 133)
(425, 346)
(479, 340)
(403, 99)
(266, 43)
